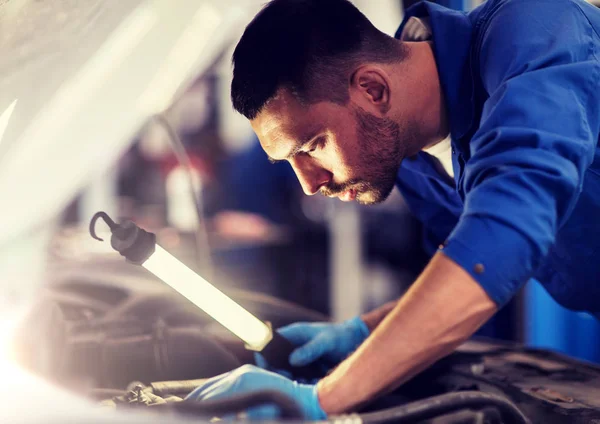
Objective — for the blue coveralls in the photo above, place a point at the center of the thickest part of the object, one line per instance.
(521, 80)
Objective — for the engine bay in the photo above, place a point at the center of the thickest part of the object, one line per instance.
(112, 333)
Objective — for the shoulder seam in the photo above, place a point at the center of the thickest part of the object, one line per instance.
(590, 24)
(484, 24)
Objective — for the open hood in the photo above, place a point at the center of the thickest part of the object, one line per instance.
(78, 79)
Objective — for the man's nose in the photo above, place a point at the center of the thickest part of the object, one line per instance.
(311, 176)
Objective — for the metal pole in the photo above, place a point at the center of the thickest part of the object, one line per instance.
(346, 262)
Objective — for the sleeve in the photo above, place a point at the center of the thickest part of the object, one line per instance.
(537, 136)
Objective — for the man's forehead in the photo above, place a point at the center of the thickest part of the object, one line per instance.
(280, 111)
(283, 120)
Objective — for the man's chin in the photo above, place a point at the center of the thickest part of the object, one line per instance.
(373, 197)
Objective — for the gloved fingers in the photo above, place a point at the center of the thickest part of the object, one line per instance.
(359, 329)
(238, 380)
(299, 333)
(224, 385)
(311, 351)
(263, 412)
(201, 392)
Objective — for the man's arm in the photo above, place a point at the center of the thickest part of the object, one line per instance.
(374, 317)
(441, 310)
(537, 136)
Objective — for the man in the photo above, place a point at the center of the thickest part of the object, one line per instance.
(487, 122)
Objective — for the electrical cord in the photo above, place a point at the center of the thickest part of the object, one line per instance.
(444, 404)
(201, 234)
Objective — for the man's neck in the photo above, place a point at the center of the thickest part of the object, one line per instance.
(425, 92)
(436, 142)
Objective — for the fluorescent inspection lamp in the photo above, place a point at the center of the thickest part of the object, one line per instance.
(255, 333)
(139, 247)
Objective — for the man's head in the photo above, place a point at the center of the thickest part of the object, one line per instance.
(337, 98)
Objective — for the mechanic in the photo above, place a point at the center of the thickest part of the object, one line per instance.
(488, 123)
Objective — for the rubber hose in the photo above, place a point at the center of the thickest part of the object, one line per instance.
(443, 404)
(164, 388)
(288, 408)
(469, 416)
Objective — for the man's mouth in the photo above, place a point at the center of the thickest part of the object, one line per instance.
(348, 195)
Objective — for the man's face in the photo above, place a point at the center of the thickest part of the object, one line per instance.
(337, 150)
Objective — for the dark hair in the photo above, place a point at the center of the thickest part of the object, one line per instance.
(307, 46)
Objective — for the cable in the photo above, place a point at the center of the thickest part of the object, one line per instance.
(438, 405)
(175, 387)
(288, 408)
(469, 416)
(203, 255)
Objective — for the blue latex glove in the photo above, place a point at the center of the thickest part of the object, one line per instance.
(249, 378)
(326, 342)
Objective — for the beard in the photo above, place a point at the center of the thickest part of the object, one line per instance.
(382, 147)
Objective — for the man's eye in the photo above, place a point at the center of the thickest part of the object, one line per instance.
(315, 146)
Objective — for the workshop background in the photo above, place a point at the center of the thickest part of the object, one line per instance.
(260, 233)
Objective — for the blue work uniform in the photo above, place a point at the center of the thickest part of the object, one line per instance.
(521, 80)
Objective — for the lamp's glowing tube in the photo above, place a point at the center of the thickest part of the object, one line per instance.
(211, 300)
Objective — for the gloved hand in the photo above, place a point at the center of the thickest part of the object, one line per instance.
(326, 342)
(249, 378)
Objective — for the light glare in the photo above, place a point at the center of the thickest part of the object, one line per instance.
(5, 117)
(215, 303)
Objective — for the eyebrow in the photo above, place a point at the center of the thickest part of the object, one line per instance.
(295, 150)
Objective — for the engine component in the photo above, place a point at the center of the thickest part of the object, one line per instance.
(137, 395)
(443, 404)
(106, 301)
(485, 416)
(164, 353)
(183, 387)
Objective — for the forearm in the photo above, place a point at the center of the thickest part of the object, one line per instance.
(373, 318)
(441, 310)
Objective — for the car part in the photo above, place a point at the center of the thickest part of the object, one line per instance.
(101, 298)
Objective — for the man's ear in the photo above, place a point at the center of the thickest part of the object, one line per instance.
(370, 89)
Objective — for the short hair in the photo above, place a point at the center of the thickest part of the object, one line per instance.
(307, 46)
